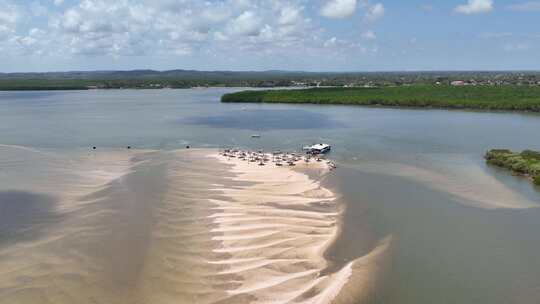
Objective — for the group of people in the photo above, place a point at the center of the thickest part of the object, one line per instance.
(278, 158)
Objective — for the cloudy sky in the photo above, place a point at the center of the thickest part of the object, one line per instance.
(312, 35)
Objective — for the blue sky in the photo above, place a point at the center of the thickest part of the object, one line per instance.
(317, 35)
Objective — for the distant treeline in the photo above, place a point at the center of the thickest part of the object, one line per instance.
(84, 84)
(150, 79)
(508, 98)
(524, 163)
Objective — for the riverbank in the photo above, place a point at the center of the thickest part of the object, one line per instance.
(491, 98)
(526, 163)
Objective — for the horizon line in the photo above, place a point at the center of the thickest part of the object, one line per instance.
(283, 71)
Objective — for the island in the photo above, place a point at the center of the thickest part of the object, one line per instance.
(526, 163)
(477, 97)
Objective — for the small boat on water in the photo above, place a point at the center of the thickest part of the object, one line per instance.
(317, 149)
(255, 136)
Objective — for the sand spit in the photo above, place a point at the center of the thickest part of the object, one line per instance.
(185, 226)
(277, 227)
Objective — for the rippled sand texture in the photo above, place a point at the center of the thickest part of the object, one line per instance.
(257, 236)
(273, 232)
(170, 227)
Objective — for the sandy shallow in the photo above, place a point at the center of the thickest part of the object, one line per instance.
(468, 183)
(172, 227)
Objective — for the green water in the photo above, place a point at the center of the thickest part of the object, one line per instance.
(417, 175)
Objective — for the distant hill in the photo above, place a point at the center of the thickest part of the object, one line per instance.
(152, 74)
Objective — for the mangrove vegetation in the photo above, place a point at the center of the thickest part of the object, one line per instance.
(506, 98)
(525, 163)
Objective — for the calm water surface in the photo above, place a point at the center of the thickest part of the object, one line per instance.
(463, 232)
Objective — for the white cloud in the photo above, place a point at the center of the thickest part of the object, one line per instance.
(9, 16)
(172, 28)
(71, 20)
(219, 36)
(369, 35)
(58, 2)
(246, 24)
(215, 13)
(338, 8)
(331, 42)
(532, 6)
(374, 12)
(475, 7)
(289, 15)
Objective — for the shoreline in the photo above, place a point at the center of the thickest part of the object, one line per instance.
(332, 281)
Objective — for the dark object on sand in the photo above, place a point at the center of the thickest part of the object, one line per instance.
(93, 148)
(128, 147)
(187, 147)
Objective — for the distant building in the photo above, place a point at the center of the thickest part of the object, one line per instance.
(458, 83)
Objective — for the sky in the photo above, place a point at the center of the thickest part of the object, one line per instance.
(316, 35)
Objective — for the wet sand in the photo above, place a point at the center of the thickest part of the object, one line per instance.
(173, 227)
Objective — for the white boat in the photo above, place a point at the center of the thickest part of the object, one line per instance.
(318, 149)
(255, 136)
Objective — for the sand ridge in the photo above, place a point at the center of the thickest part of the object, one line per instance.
(286, 222)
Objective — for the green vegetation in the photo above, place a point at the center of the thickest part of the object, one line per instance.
(524, 163)
(513, 98)
(84, 84)
(150, 79)
(38, 84)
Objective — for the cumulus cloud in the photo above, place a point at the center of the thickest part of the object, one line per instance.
(289, 15)
(374, 12)
(175, 28)
(475, 7)
(339, 8)
(532, 6)
(247, 24)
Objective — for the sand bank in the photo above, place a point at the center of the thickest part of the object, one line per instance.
(178, 227)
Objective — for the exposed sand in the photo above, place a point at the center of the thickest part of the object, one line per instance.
(175, 227)
(277, 240)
